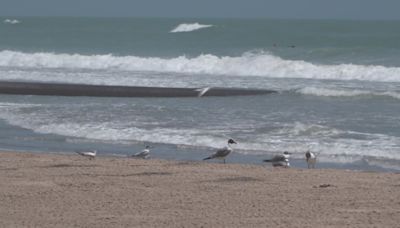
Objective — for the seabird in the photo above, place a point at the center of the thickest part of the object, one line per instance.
(90, 154)
(280, 160)
(311, 159)
(203, 91)
(143, 154)
(223, 152)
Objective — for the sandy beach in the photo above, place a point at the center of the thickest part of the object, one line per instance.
(51, 190)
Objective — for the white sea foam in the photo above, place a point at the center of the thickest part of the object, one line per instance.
(334, 145)
(298, 129)
(340, 150)
(264, 65)
(11, 21)
(189, 27)
(327, 92)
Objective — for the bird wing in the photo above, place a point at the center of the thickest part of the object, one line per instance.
(222, 152)
(202, 91)
(142, 153)
(278, 158)
(90, 153)
(86, 153)
(79, 152)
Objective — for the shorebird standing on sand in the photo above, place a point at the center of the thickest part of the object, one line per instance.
(90, 154)
(143, 154)
(222, 153)
(280, 160)
(311, 159)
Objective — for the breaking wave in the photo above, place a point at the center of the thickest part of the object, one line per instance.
(248, 64)
(189, 27)
(11, 21)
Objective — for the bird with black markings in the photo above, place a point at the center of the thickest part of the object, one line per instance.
(311, 159)
(144, 154)
(223, 152)
(89, 154)
(280, 160)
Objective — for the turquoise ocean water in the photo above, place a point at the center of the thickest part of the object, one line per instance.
(338, 84)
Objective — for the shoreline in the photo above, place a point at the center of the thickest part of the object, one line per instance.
(171, 152)
(16, 138)
(54, 190)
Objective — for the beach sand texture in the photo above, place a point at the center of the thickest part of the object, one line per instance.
(50, 190)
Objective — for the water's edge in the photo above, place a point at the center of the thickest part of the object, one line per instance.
(21, 140)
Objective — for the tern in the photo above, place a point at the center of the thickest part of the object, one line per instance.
(202, 91)
(90, 154)
(311, 159)
(280, 160)
(223, 152)
(143, 154)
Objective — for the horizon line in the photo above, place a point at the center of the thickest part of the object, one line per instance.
(198, 17)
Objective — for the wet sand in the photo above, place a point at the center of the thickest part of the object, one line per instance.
(50, 190)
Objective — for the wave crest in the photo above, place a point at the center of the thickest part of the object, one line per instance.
(189, 27)
(11, 21)
(248, 64)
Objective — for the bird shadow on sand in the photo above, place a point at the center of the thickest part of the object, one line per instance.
(181, 163)
(128, 174)
(191, 163)
(153, 174)
(8, 169)
(236, 179)
(64, 165)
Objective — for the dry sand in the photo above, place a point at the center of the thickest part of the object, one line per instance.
(44, 190)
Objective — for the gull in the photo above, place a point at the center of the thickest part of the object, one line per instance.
(311, 159)
(143, 154)
(223, 152)
(280, 160)
(90, 154)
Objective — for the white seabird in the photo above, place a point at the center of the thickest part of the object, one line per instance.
(90, 154)
(311, 159)
(203, 91)
(143, 154)
(223, 152)
(280, 160)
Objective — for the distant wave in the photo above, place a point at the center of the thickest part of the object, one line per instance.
(11, 21)
(346, 93)
(248, 64)
(189, 27)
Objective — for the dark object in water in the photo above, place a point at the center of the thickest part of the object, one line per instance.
(63, 89)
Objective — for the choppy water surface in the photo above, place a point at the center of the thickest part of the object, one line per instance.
(338, 84)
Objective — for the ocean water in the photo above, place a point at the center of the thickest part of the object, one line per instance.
(338, 86)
